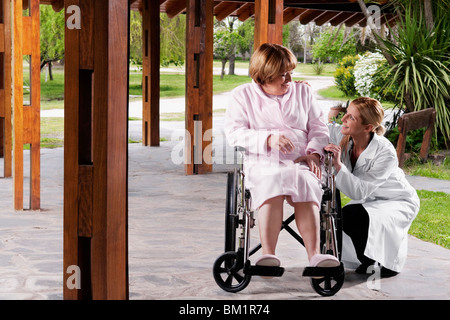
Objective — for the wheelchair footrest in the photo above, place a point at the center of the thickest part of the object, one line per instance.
(264, 271)
(324, 271)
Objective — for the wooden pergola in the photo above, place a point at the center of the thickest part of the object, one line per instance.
(96, 109)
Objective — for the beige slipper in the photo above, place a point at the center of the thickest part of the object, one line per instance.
(268, 260)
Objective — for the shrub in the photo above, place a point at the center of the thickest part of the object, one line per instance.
(343, 76)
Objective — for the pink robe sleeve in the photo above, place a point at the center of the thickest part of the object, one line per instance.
(237, 127)
(318, 134)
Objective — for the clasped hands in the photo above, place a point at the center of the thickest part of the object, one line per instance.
(285, 145)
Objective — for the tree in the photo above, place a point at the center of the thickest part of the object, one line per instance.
(224, 45)
(52, 36)
(334, 44)
(246, 37)
(173, 40)
(136, 38)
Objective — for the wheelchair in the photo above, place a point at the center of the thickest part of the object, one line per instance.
(233, 269)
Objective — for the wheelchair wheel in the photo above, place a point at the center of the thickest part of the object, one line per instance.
(231, 214)
(328, 286)
(228, 271)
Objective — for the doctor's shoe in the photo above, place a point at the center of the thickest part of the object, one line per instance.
(386, 273)
(375, 267)
(364, 268)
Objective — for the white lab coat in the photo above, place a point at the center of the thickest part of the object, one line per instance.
(392, 203)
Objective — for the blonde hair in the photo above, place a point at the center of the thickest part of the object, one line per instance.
(269, 61)
(371, 112)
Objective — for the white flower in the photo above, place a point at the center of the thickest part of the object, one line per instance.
(364, 70)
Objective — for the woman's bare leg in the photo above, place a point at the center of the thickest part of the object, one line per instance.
(308, 220)
(270, 218)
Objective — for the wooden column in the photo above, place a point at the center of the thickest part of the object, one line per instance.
(26, 107)
(96, 151)
(268, 22)
(5, 88)
(199, 80)
(150, 72)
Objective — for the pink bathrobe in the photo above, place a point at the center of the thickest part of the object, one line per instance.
(252, 116)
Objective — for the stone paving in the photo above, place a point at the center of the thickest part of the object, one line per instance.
(176, 231)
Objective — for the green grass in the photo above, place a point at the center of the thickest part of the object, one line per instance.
(174, 85)
(52, 132)
(432, 224)
(308, 69)
(53, 90)
(428, 169)
(333, 93)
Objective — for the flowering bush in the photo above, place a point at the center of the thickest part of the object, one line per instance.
(343, 76)
(364, 71)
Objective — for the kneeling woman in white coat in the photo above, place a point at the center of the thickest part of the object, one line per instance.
(383, 203)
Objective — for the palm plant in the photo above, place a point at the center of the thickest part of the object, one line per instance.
(421, 59)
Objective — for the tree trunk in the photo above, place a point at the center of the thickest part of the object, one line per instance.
(428, 8)
(409, 102)
(222, 73)
(50, 73)
(231, 66)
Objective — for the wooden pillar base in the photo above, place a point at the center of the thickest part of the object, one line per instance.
(96, 152)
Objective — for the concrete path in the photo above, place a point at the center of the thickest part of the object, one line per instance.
(176, 231)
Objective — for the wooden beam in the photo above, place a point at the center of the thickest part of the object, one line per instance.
(290, 14)
(268, 22)
(199, 79)
(355, 19)
(341, 18)
(246, 11)
(27, 115)
(325, 17)
(275, 28)
(224, 9)
(58, 5)
(5, 91)
(150, 73)
(174, 8)
(96, 151)
(310, 16)
(261, 22)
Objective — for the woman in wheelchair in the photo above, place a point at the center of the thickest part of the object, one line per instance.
(284, 132)
(383, 203)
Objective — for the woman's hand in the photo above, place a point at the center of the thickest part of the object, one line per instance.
(336, 150)
(281, 143)
(313, 162)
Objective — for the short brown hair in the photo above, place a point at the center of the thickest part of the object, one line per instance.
(270, 60)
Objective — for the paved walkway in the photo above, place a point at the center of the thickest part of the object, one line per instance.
(174, 239)
(176, 231)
